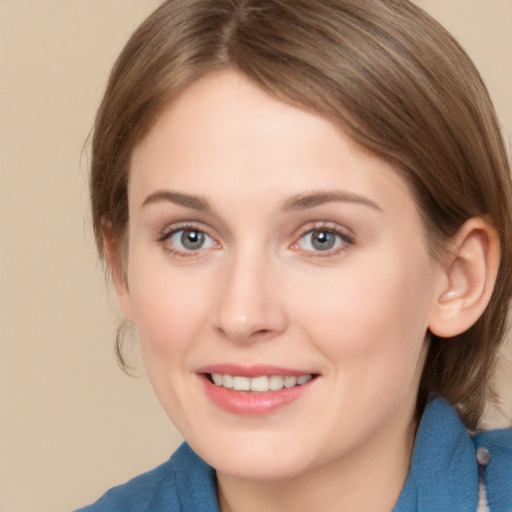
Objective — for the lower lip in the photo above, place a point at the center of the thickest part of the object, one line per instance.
(253, 403)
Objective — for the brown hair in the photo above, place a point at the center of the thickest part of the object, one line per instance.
(384, 71)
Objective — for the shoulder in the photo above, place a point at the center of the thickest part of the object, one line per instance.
(496, 446)
(135, 494)
(184, 482)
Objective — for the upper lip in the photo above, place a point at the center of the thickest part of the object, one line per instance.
(256, 370)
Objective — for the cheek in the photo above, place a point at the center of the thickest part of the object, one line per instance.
(166, 311)
(371, 317)
(169, 316)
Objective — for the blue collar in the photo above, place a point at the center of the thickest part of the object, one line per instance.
(444, 472)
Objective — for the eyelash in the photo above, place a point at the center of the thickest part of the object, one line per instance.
(167, 234)
(344, 238)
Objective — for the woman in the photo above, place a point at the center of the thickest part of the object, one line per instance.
(305, 209)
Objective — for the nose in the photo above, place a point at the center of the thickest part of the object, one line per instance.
(250, 306)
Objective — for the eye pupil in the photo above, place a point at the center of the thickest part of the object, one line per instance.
(323, 240)
(192, 240)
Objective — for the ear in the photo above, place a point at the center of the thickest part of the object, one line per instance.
(469, 277)
(113, 252)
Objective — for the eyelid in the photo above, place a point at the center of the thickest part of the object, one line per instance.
(346, 234)
(165, 234)
(177, 226)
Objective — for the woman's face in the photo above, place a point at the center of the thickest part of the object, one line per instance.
(266, 249)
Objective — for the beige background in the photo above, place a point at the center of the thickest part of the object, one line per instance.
(71, 424)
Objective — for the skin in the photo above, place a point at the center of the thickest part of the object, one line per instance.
(259, 292)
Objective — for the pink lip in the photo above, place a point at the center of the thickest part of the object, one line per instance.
(251, 403)
(252, 371)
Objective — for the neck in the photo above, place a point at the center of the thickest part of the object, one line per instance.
(369, 480)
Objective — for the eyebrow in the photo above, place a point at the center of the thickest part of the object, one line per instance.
(294, 203)
(186, 200)
(305, 201)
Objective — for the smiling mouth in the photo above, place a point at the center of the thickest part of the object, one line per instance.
(261, 384)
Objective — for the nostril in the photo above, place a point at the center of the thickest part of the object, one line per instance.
(243, 330)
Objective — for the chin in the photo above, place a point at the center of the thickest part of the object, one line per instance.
(256, 457)
(256, 469)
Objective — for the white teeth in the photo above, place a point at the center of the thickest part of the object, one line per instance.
(276, 382)
(241, 383)
(290, 382)
(217, 379)
(260, 384)
(227, 381)
(303, 379)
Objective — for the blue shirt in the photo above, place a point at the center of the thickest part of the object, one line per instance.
(444, 474)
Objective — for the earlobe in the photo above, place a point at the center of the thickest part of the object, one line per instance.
(114, 261)
(469, 277)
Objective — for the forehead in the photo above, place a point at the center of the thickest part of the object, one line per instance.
(226, 136)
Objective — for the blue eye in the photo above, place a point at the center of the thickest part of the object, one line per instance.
(188, 239)
(322, 240)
